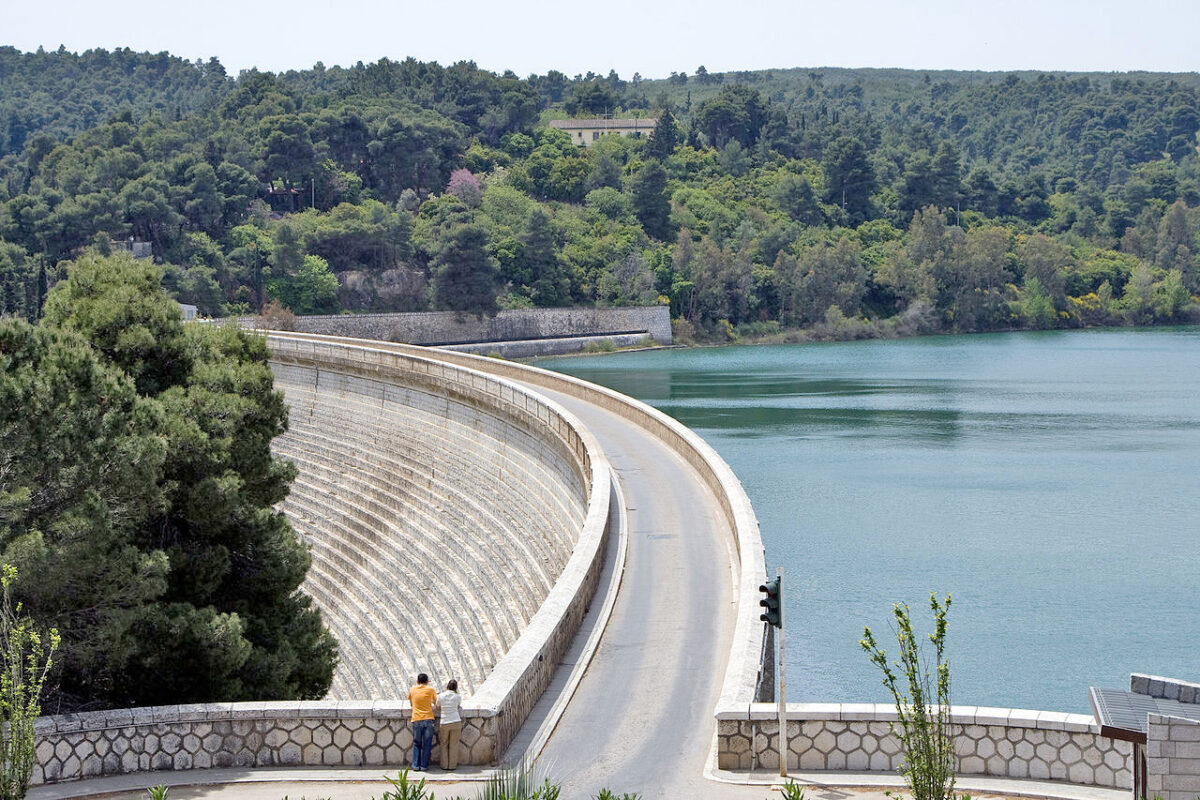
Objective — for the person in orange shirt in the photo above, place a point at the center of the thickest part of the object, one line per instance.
(422, 698)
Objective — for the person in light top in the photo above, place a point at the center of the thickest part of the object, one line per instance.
(422, 697)
(451, 728)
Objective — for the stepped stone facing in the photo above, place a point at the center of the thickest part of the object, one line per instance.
(458, 525)
(398, 483)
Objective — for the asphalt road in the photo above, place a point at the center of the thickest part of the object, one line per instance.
(641, 720)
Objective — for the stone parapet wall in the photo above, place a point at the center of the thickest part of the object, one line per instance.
(1001, 742)
(312, 734)
(375, 732)
(450, 327)
(1173, 758)
(1165, 688)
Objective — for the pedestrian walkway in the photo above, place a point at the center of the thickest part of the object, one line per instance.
(367, 783)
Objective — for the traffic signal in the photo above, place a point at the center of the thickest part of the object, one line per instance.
(772, 601)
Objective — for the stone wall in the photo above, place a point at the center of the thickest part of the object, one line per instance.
(1000, 742)
(533, 348)
(449, 327)
(1172, 743)
(1165, 688)
(375, 732)
(73, 746)
(1173, 758)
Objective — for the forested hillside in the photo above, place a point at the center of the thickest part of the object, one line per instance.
(849, 202)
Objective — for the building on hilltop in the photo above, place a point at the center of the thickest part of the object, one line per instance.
(584, 132)
(138, 248)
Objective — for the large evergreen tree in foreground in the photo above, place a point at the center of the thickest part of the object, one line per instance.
(137, 490)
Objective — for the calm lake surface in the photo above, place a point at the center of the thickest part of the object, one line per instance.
(1049, 481)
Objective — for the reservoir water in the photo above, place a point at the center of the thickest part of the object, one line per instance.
(1049, 481)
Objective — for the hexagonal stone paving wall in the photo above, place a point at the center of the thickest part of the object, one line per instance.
(1038, 745)
(71, 747)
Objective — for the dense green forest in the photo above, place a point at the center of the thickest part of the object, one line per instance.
(846, 202)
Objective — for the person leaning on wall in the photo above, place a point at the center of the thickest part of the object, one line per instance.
(450, 731)
(422, 698)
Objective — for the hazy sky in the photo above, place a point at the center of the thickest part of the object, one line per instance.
(653, 37)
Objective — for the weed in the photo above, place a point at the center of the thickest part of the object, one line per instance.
(519, 783)
(606, 794)
(791, 791)
(404, 789)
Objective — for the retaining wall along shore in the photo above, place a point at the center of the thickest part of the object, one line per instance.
(451, 327)
(480, 436)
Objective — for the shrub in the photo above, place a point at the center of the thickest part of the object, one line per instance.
(27, 659)
(923, 725)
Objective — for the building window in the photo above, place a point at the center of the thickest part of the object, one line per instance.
(595, 135)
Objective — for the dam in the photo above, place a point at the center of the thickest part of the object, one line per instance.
(406, 453)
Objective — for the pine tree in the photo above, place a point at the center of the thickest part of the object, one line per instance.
(215, 612)
(465, 277)
(547, 284)
(665, 138)
(650, 201)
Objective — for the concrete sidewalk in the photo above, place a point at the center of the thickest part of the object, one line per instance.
(367, 783)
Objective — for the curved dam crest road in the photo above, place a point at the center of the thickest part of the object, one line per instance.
(641, 719)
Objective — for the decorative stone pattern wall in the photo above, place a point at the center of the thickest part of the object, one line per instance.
(448, 327)
(1003, 742)
(369, 732)
(238, 735)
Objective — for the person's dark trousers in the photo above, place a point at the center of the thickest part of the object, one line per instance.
(422, 731)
